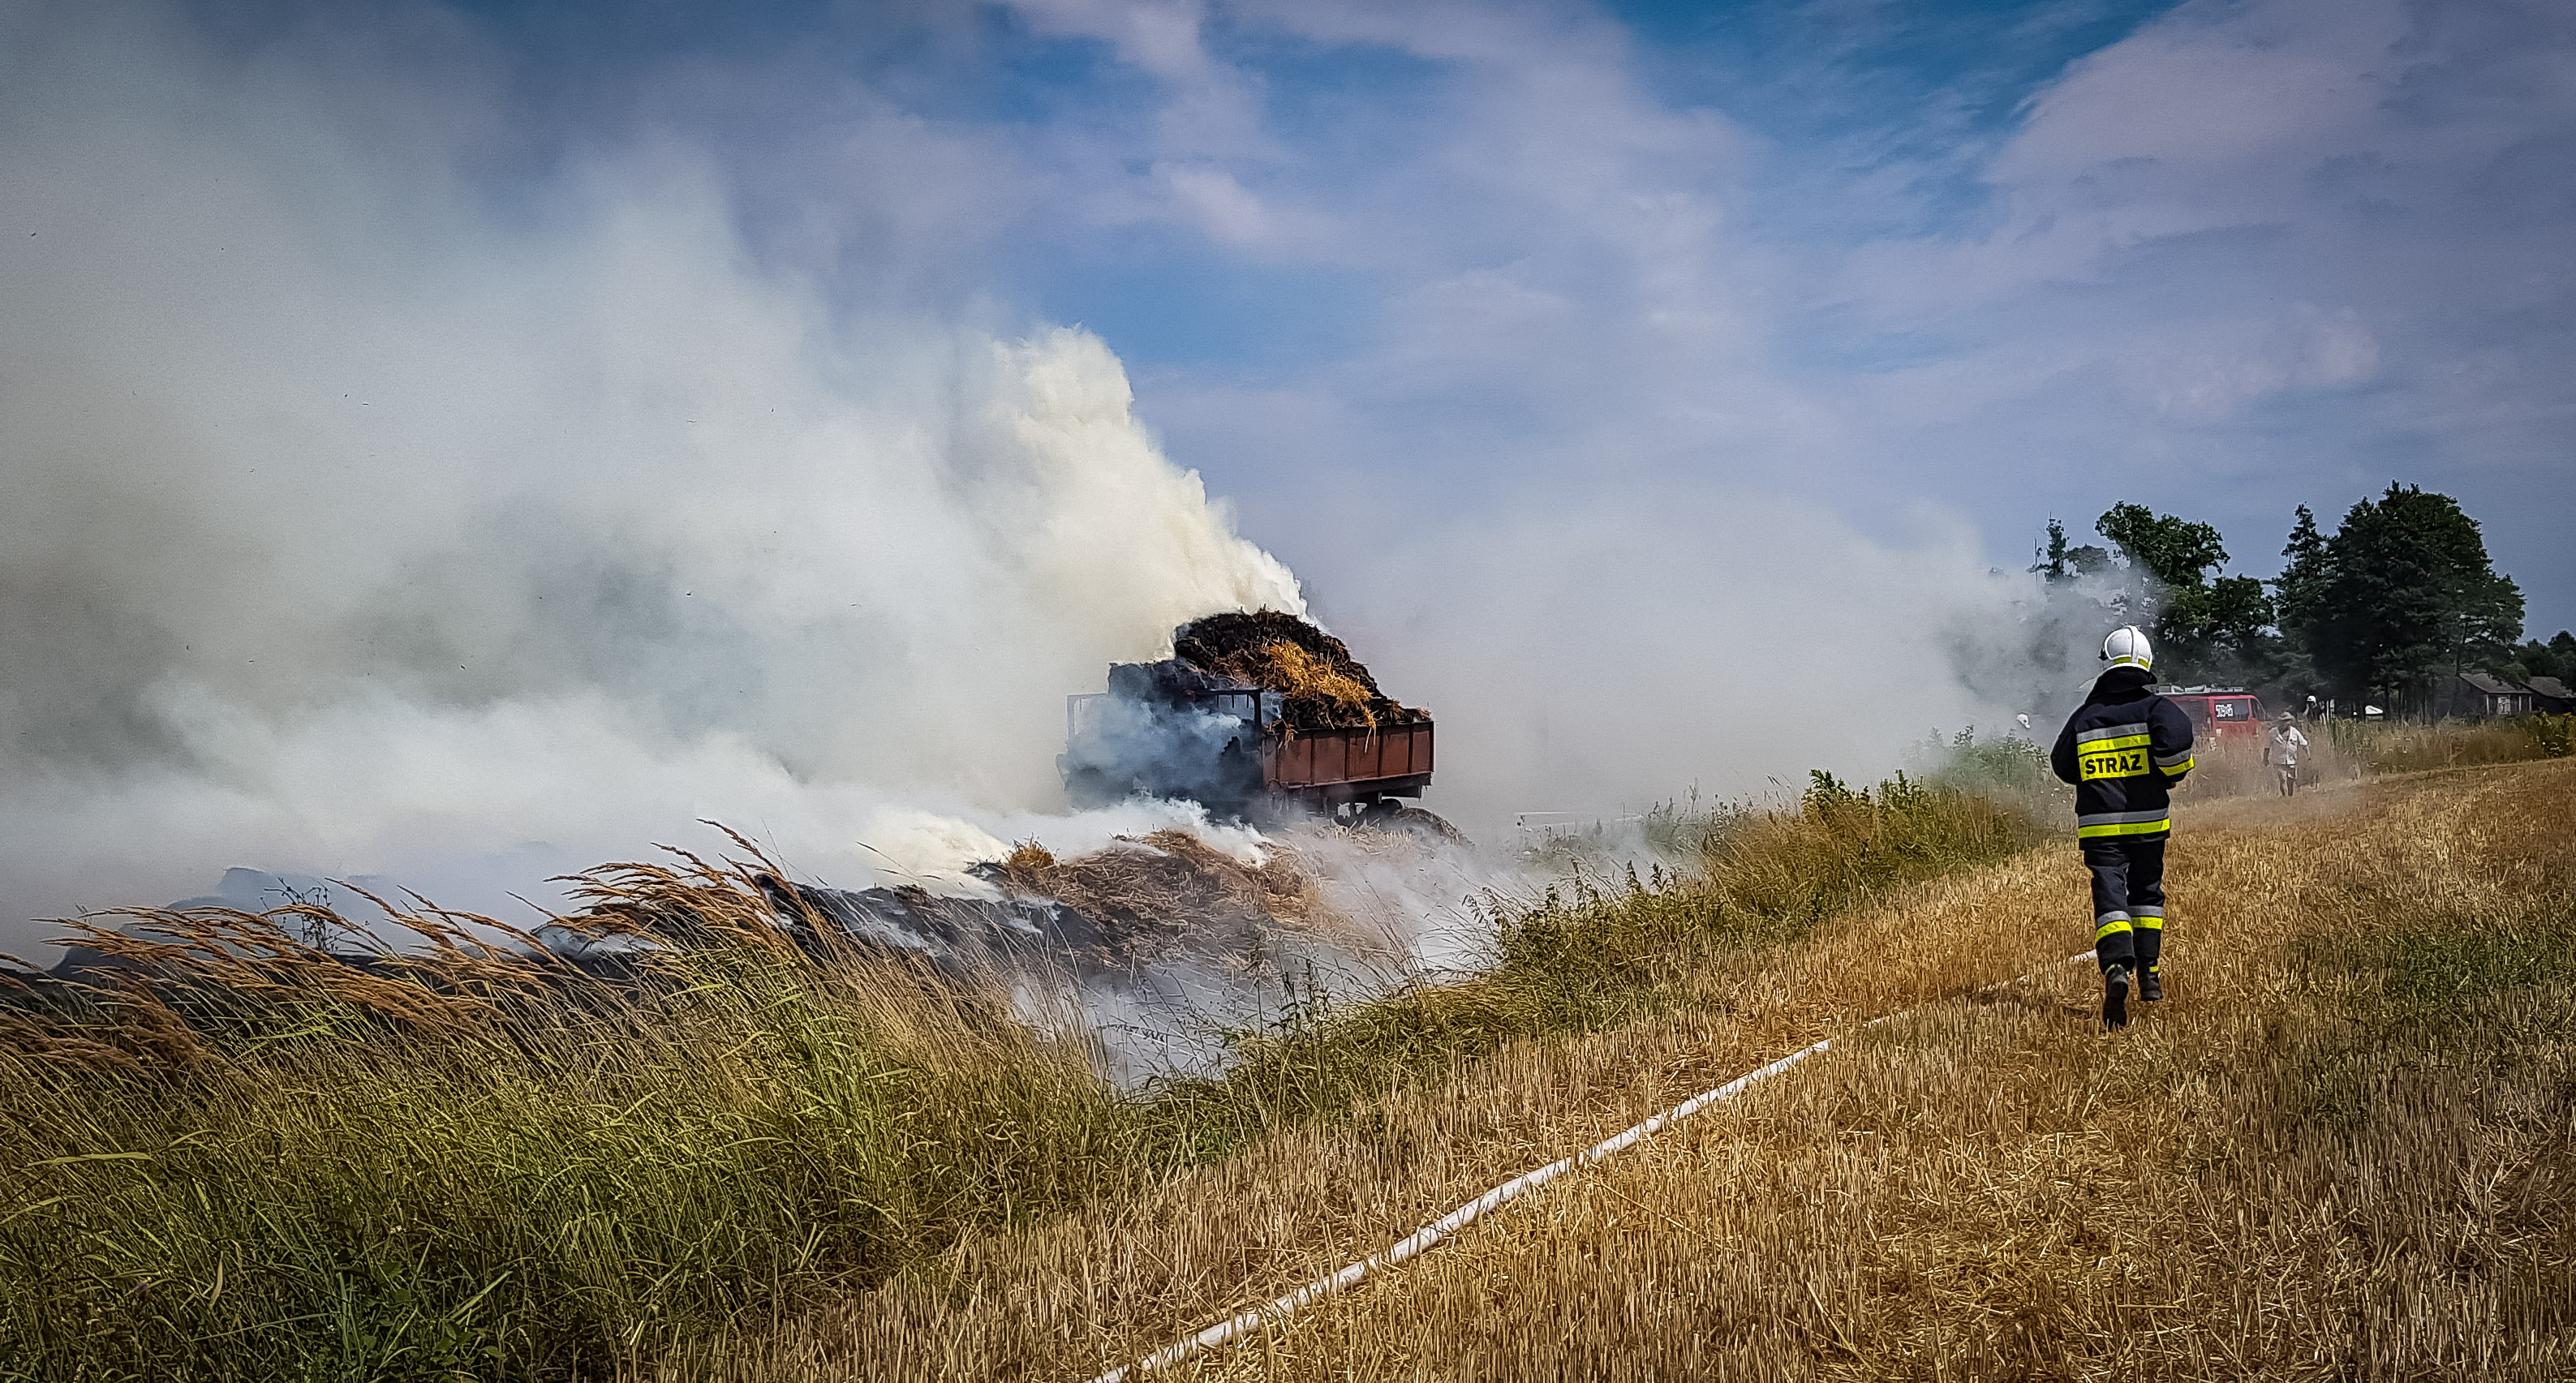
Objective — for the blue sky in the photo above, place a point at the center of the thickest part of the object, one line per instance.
(415, 416)
(2010, 260)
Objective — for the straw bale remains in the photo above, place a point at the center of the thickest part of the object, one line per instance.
(1170, 887)
(1323, 686)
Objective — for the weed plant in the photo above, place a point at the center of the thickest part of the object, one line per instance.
(2012, 769)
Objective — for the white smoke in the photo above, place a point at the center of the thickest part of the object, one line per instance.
(355, 519)
(378, 498)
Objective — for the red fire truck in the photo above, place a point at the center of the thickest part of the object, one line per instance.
(2219, 715)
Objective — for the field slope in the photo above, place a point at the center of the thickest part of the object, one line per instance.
(2343, 1148)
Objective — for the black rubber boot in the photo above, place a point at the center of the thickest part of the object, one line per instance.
(2151, 983)
(2115, 997)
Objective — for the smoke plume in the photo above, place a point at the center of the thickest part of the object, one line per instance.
(356, 517)
(386, 491)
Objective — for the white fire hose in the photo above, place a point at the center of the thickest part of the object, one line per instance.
(1280, 1308)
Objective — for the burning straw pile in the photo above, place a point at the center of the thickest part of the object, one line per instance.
(1171, 887)
(1325, 687)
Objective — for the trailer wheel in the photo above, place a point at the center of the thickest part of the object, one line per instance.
(1429, 825)
(1376, 811)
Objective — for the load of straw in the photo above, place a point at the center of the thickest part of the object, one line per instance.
(1171, 887)
(1323, 686)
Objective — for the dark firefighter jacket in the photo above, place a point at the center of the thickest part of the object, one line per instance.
(2123, 749)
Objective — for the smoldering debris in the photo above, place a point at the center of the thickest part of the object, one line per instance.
(1128, 905)
(1142, 901)
(1324, 687)
(1149, 950)
(1170, 888)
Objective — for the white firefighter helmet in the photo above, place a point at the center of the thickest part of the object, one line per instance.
(2128, 647)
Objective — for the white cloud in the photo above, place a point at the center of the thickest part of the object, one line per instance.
(2205, 374)
(1159, 36)
(2293, 246)
(2217, 86)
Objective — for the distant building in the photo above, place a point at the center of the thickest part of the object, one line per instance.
(2549, 696)
(2480, 694)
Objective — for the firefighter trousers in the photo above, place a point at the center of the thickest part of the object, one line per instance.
(2128, 900)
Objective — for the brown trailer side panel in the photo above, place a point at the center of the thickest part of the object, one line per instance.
(1332, 758)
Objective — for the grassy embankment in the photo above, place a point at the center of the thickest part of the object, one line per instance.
(460, 1171)
(2341, 1149)
(479, 1168)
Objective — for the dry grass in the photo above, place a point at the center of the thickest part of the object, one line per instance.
(2419, 746)
(1310, 680)
(2339, 1151)
(246, 1158)
(2333, 1153)
(2014, 770)
(251, 1160)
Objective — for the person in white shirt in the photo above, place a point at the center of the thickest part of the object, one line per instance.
(2281, 750)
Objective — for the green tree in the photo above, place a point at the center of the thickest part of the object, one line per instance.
(2401, 593)
(2297, 596)
(2221, 630)
(2061, 563)
(2556, 658)
(2204, 628)
(2302, 582)
(2173, 550)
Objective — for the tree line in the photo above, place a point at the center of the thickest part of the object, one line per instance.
(2399, 595)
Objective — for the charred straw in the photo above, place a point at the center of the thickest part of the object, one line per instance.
(1322, 685)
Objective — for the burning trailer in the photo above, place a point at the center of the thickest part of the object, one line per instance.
(1253, 715)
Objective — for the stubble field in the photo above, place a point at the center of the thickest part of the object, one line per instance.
(2342, 1148)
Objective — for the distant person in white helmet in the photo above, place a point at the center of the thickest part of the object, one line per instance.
(2281, 750)
(2124, 749)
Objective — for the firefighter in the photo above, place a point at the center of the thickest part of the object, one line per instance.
(2124, 749)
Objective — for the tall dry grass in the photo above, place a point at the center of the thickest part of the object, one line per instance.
(772, 1160)
(2339, 1150)
(2014, 769)
(2351, 751)
(246, 1159)
(1593, 952)
(2375, 747)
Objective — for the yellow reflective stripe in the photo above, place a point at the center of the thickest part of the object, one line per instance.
(2125, 828)
(2177, 770)
(2116, 924)
(2124, 757)
(2153, 924)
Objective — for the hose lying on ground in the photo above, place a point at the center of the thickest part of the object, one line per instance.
(1280, 1308)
